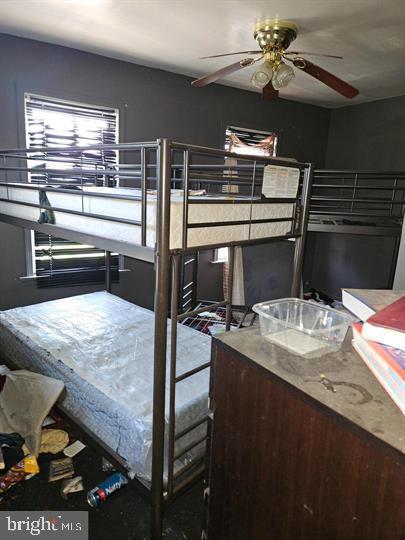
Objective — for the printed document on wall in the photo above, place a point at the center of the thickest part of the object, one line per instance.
(280, 182)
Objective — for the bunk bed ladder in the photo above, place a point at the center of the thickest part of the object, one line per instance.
(188, 281)
(174, 483)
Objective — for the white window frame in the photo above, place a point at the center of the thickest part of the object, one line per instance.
(29, 239)
(221, 255)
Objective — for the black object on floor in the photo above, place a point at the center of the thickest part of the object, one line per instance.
(124, 515)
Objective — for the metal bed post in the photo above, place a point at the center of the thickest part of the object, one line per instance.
(195, 277)
(173, 363)
(394, 261)
(230, 287)
(108, 271)
(160, 341)
(300, 241)
(186, 158)
(144, 192)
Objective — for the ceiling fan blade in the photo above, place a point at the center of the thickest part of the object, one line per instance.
(327, 78)
(298, 53)
(269, 93)
(231, 54)
(220, 73)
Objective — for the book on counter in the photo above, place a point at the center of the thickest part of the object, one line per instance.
(387, 326)
(364, 303)
(386, 363)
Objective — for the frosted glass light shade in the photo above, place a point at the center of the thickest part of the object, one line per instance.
(284, 75)
(262, 75)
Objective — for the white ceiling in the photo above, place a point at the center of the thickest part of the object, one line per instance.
(172, 35)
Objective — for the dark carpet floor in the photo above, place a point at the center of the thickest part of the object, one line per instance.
(124, 515)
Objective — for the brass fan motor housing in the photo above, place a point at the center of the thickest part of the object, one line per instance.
(275, 35)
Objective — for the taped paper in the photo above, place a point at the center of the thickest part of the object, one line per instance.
(280, 182)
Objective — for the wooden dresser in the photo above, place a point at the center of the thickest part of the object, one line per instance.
(301, 449)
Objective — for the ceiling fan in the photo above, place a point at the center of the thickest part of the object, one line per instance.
(274, 73)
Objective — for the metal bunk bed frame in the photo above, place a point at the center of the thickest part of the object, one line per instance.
(349, 196)
(165, 259)
(359, 202)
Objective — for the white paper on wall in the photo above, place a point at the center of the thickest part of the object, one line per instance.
(280, 182)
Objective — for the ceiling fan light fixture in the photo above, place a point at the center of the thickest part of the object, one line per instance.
(283, 76)
(274, 38)
(262, 75)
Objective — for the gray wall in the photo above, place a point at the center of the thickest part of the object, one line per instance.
(343, 260)
(153, 103)
(369, 136)
(263, 279)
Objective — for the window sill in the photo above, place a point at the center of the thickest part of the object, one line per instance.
(218, 262)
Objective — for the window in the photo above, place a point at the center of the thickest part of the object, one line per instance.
(248, 142)
(51, 122)
(221, 255)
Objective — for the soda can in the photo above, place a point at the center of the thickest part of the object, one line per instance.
(106, 466)
(98, 494)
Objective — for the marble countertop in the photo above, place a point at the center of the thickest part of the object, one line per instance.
(339, 380)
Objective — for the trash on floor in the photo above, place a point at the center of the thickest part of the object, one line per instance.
(113, 483)
(74, 448)
(48, 421)
(61, 468)
(14, 475)
(106, 466)
(11, 445)
(30, 463)
(26, 399)
(71, 485)
(53, 441)
(211, 315)
(319, 296)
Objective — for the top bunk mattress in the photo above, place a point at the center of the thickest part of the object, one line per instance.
(203, 209)
(102, 347)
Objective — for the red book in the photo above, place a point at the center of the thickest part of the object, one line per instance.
(386, 363)
(393, 358)
(388, 325)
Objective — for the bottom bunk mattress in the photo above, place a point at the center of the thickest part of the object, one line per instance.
(102, 348)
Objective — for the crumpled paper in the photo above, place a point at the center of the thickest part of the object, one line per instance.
(53, 441)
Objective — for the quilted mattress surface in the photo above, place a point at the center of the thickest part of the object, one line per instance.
(220, 209)
(102, 348)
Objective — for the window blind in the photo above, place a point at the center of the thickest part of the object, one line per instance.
(58, 262)
(249, 141)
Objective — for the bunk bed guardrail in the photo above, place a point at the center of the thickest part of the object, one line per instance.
(356, 202)
(361, 202)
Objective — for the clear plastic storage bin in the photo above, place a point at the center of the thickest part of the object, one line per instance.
(302, 327)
